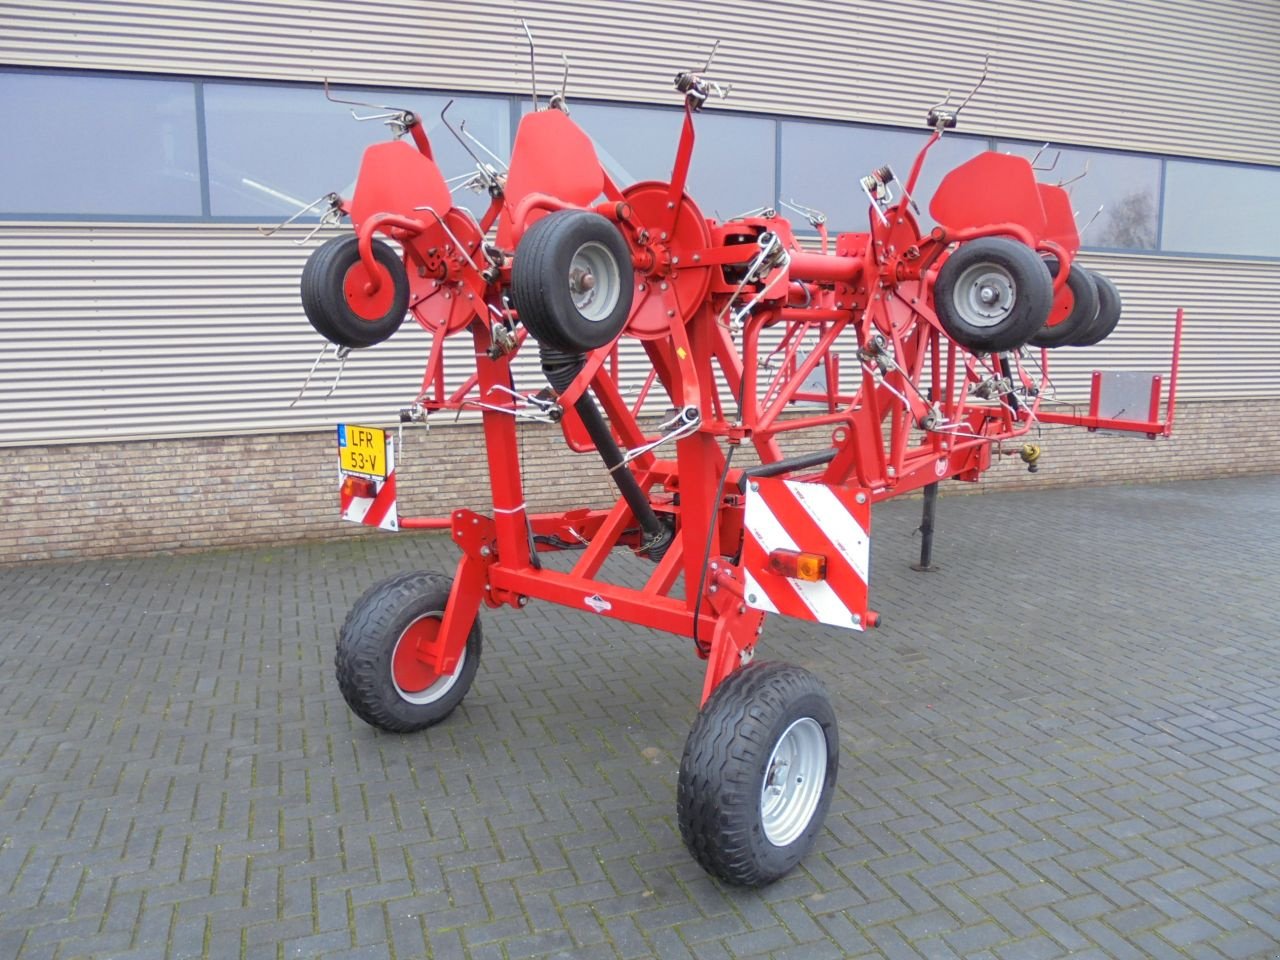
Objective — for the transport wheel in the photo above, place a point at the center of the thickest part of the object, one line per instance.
(993, 294)
(572, 281)
(1074, 308)
(336, 302)
(383, 682)
(1104, 324)
(757, 773)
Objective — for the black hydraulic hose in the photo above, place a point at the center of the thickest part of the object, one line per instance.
(560, 370)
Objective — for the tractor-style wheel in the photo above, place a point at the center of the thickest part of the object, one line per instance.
(1104, 324)
(572, 281)
(1074, 308)
(993, 294)
(757, 774)
(380, 676)
(336, 299)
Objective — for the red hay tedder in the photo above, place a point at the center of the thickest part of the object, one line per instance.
(910, 355)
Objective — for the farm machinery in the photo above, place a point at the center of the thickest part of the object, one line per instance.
(854, 367)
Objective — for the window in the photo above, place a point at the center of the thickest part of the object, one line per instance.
(733, 157)
(1122, 190)
(272, 150)
(1216, 208)
(823, 162)
(98, 146)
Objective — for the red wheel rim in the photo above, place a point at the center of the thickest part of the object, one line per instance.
(418, 642)
(370, 307)
(1063, 303)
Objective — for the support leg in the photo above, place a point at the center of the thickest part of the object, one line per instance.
(926, 531)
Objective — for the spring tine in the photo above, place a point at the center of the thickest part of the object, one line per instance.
(311, 373)
(1080, 176)
(331, 198)
(986, 65)
(342, 354)
(462, 127)
(533, 63)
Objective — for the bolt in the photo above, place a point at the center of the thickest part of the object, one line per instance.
(664, 234)
(712, 589)
(524, 601)
(892, 472)
(485, 551)
(675, 259)
(697, 257)
(742, 608)
(861, 498)
(714, 565)
(663, 285)
(642, 288)
(670, 206)
(755, 487)
(751, 598)
(857, 620)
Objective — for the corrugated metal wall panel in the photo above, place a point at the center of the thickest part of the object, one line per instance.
(118, 331)
(1179, 77)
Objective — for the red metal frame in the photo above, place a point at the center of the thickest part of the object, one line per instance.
(904, 406)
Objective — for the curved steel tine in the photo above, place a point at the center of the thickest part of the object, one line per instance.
(462, 127)
(331, 198)
(986, 66)
(445, 120)
(1096, 214)
(533, 62)
(328, 95)
(1057, 155)
(710, 56)
(1080, 176)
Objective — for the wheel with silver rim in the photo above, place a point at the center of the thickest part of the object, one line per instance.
(993, 294)
(757, 774)
(386, 654)
(572, 280)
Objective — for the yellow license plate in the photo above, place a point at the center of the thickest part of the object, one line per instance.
(362, 450)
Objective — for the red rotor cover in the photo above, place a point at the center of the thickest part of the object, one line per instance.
(674, 290)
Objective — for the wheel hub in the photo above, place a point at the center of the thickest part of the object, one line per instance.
(793, 781)
(594, 281)
(413, 679)
(985, 294)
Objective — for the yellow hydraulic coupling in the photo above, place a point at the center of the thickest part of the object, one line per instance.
(1030, 454)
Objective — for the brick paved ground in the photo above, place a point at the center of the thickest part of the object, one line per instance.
(1066, 742)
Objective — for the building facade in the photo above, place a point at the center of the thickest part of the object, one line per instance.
(152, 342)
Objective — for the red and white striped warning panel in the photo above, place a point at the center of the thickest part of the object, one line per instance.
(367, 476)
(807, 551)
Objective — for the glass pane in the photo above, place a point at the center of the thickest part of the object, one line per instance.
(1126, 188)
(98, 145)
(822, 163)
(275, 149)
(733, 157)
(1221, 208)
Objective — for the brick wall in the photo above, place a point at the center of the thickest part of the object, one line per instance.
(114, 499)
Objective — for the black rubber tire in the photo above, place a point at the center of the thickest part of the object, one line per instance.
(324, 297)
(1031, 289)
(1084, 293)
(723, 771)
(1104, 324)
(541, 285)
(368, 639)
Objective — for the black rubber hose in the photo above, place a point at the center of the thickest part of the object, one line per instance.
(560, 369)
